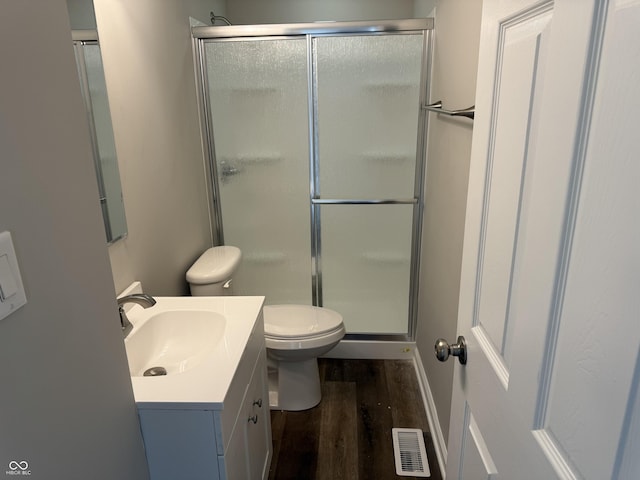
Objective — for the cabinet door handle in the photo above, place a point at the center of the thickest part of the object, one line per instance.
(253, 419)
(258, 402)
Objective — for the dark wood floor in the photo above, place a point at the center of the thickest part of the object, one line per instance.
(348, 436)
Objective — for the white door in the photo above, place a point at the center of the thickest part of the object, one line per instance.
(550, 291)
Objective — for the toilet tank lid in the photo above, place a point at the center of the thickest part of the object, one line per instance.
(216, 264)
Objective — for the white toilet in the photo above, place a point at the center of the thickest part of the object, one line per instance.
(295, 335)
(211, 274)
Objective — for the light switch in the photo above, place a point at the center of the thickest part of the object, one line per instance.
(12, 294)
(8, 285)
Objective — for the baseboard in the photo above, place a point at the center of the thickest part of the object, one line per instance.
(432, 414)
(372, 349)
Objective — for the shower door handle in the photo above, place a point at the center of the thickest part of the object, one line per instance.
(227, 170)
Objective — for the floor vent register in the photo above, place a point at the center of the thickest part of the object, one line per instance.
(410, 453)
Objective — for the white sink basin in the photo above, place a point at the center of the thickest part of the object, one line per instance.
(175, 340)
(198, 340)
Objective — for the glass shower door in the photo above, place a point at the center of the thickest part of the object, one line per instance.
(315, 139)
(257, 94)
(367, 109)
(94, 92)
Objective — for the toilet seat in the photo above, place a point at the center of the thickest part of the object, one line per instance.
(300, 322)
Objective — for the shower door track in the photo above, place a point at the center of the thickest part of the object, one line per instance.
(314, 28)
(310, 31)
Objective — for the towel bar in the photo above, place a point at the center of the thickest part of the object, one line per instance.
(465, 112)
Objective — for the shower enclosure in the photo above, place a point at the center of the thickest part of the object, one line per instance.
(315, 139)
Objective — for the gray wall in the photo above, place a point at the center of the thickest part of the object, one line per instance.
(147, 55)
(81, 14)
(66, 400)
(455, 63)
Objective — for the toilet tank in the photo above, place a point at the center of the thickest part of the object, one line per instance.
(211, 274)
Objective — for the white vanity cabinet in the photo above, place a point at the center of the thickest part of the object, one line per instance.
(248, 452)
(230, 440)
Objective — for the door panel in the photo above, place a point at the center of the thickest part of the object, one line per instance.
(521, 46)
(263, 166)
(366, 265)
(477, 462)
(592, 371)
(256, 422)
(368, 92)
(550, 280)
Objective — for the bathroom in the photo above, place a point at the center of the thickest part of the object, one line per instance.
(158, 143)
(181, 207)
(168, 224)
(67, 406)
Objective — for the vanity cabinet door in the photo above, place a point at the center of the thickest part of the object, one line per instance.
(248, 454)
(180, 444)
(258, 423)
(233, 465)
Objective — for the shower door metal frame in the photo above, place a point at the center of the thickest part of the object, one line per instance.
(202, 35)
(82, 39)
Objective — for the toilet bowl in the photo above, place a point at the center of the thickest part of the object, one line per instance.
(295, 335)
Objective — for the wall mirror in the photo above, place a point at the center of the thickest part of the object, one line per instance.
(94, 92)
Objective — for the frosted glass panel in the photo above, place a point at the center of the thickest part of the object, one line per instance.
(258, 100)
(107, 161)
(366, 252)
(368, 105)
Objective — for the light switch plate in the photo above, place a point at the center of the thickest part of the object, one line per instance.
(12, 295)
(8, 285)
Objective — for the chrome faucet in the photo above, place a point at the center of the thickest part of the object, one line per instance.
(142, 299)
